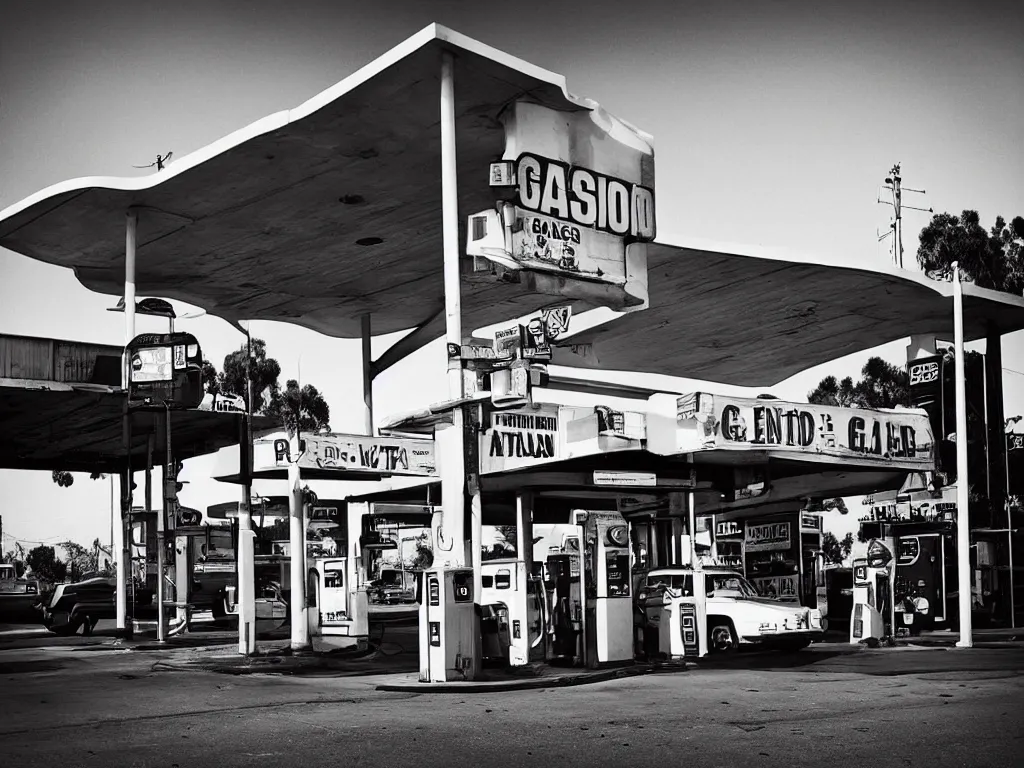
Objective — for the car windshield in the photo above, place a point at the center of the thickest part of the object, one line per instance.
(681, 583)
(729, 585)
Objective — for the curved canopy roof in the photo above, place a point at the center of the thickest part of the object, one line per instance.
(267, 222)
(751, 316)
(273, 222)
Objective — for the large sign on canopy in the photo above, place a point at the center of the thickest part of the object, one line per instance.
(535, 435)
(575, 205)
(356, 453)
(795, 430)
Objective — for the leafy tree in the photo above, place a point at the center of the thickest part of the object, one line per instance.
(883, 386)
(304, 407)
(835, 551)
(990, 259)
(993, 259)
(79, 560)
(16, 557)
(66, 479)
(45, 565)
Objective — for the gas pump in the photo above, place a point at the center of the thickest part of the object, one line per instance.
(565, 600)
(873, 599)
(675, 611)
(447, 624)
(609, 602)
(338, 613)
(513, 598)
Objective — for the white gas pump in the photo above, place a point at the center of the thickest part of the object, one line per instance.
(447, 624)
(609, 600)
(338, 611)
(873, 598)
(676, 612)
(509, 592)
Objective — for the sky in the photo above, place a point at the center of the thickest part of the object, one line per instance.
(775, 124)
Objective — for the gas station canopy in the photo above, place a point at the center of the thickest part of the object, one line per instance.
(330, 211)
(754, 317)
(61, 407)
(316, 215)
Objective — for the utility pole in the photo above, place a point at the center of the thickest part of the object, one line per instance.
(894, 183)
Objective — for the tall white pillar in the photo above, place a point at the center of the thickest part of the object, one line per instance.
(297, 546)
(963, 529)
(122, 565)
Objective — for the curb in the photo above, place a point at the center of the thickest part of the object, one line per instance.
(498, 686)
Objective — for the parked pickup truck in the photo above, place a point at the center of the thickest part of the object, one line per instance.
(736, 615)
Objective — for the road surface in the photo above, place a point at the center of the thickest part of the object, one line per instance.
(98, 706)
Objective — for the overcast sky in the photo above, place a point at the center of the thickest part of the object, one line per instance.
(774, 123)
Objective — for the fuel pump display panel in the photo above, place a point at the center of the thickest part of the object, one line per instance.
(617, 573)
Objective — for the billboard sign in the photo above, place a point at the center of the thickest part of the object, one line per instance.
(359, 453)
(861, 435)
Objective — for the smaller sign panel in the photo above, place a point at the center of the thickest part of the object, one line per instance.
(810, 522)
(731, 528)
(627, 479)
(354, 453)
(767, 536)
(519, 438)
(165, 369)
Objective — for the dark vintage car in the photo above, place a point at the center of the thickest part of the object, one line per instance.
(77, 607)
(18, 599)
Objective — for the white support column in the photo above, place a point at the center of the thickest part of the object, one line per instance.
(161, 527)
(121, 555)
(246, 595)
(122, 566)
(297, 546)
(963, 530)
(452, 460)
(367, 337)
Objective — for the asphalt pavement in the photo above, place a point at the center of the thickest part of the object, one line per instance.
(104, 705)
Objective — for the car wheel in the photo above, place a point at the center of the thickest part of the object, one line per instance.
(721, 636)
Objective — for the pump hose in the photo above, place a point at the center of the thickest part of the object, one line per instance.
(378, 643)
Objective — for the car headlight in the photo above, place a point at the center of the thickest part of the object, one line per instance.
(815, 619)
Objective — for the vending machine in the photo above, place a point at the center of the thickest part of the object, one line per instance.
(448, 634)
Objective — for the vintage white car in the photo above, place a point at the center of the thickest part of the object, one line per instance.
(736, 614)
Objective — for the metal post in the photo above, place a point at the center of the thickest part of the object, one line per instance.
(453, 481)
(297, 545)
(161, 525)
(691, 521)
(121, 567)
(246, 595)
(963, 531)
(121, 555)
(148, 500)
(367, 336)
